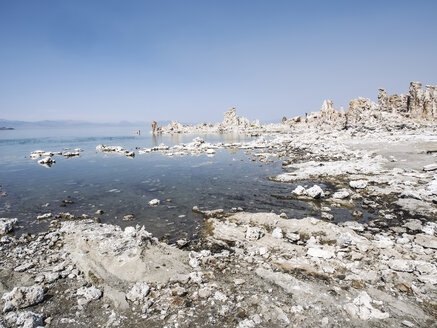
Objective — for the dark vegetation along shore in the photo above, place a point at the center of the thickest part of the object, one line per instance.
(258, 269)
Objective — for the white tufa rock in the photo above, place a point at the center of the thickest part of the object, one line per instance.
(432, 187)
(315, 192)
(115, 149)
(130, 231)
(219, 296)
(194, 263)
(430, 167)
(429, 228)
(44, 216)
(358, 184)
(401, 265)
(277, 233)
(246, 323)
(426, 241)
(361, 308)
(341, 194)
(22, 297)
(7, 225)
(138, 292)
(299, 191)
(26, 319)
(89, 294)
(46, 161)
(154, 202)
(318, 252)
(254, 233)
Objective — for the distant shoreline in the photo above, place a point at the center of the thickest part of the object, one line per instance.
(5, 128)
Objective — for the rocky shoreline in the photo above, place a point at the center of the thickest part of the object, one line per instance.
(256, 269)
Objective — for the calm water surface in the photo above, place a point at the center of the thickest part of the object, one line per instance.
(121, 186)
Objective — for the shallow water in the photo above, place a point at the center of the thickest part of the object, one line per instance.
(121, 186)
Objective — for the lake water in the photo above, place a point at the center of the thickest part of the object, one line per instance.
(121, 186)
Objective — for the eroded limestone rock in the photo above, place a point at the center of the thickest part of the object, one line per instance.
(115, 258)
(7, 225)
(22, 297)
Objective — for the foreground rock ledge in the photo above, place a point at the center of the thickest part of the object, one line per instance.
(252, 270)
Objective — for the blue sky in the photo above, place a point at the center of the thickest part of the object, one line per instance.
(192, 60)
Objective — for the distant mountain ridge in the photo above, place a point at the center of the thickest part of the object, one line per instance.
(73, 123)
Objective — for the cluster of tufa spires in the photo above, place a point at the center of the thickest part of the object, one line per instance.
(419, 104)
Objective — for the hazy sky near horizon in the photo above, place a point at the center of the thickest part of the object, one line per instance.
(192, 60)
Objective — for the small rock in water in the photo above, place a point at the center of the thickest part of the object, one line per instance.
(327, 216)
(44, 216)
(182, 242)
(357, 213)
(7, 225)
(299, 191)
(154, 202)
(99, 212)
(315, 192)
(129, 217)
(341, 194)
(46, 161)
